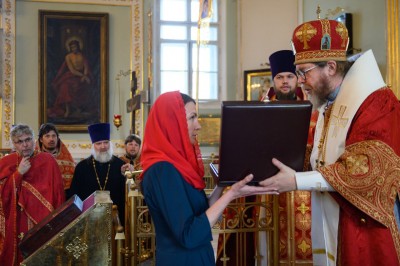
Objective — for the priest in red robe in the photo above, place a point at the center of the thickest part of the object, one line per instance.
(31, 187)
(49, 141)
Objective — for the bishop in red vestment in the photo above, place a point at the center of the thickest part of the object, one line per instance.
(356, 153)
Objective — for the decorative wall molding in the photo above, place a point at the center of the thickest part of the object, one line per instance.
(81, 149)
(8, 72)
(393, 53)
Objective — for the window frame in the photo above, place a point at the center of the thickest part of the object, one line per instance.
(210, 103)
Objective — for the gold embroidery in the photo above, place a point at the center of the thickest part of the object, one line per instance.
(323, 251)
(342, 32)
(322, 141)
(331, 54)
(304, 246)
(39, 196)
(326, 27)
(381, 170)
(305, 33)
(338, 120)
(357, 164)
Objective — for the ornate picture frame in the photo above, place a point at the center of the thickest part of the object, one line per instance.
(257, 83)
(209, 135)
(73, 69)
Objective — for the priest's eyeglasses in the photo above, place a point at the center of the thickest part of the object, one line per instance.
(23, 141)
(302, 73)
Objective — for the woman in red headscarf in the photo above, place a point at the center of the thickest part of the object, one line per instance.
(172, 184)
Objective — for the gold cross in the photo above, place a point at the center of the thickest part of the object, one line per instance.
(342, 32)
(305, 33)
(338, 120)
(303, 208)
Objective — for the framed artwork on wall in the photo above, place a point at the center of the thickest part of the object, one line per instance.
(205, 8)
(73, 73)
(257, 83)
(210, 130)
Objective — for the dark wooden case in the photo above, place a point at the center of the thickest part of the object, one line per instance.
(252, 133)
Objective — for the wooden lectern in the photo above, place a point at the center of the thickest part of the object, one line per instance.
(86, 240)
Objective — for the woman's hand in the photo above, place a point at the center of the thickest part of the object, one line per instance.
(241, 189)
(237, 190)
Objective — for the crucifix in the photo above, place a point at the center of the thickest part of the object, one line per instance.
(133, 103)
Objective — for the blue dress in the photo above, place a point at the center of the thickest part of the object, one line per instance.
(183, 233)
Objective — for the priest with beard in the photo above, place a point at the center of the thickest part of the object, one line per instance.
(101, 170)
(132, 151)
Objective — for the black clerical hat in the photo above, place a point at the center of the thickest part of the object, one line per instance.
(99, 132)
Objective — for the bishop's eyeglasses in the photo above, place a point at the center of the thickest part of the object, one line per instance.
(302, 73)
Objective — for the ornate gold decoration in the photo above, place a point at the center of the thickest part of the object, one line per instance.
(326, 27)
(322, 141)
(119, 145)
(7, 89)
(85, 146)
(97, 176)
(339, 120)
(342, 32)
(318, 12)
(77, 247)
(378, 167)
(7, 67)
(304, 246)
(393, 46)
(305, 33)
(7, 109)
(117, 121)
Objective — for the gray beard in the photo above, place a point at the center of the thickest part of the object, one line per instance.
(103, 157)
(316, 102)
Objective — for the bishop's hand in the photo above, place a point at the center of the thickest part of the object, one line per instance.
(283, 181)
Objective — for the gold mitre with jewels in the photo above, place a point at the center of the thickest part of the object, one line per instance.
(320, 40)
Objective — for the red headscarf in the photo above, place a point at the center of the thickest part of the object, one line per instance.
(166, 138)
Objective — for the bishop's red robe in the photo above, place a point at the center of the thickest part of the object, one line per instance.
(366, 177)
